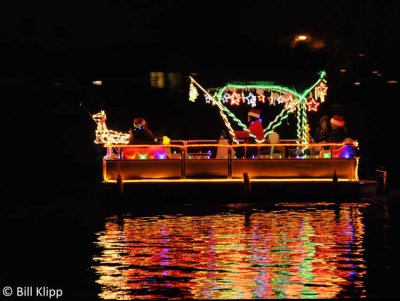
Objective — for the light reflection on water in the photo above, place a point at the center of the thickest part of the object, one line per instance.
(288, 251)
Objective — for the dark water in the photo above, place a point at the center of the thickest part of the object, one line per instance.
(202, 251)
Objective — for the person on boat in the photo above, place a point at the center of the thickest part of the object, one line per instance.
(322, 130)
(140, 133)
(256, 128)
(338, 134)
(338, 130)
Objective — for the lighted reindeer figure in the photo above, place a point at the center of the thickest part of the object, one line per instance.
(106, 136)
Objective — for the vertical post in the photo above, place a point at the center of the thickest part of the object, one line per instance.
(382, 181)
(183, 161)
(120, 184)
(229, 163)
(335, 180)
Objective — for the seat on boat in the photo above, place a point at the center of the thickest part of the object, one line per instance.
(272, 152)
(347, 150)
(222, 151)
(273, 138)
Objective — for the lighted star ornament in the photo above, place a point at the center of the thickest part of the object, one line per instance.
(292, 102)
(312, 105)
(321, 91)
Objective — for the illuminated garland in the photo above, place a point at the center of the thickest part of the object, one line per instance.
(234, 94)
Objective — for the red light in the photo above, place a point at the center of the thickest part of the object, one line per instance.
(361, 54)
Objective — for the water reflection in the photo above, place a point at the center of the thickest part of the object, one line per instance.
(289, 251)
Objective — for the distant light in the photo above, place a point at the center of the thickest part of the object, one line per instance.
(97, 82)
(343, 70)
(392, 82)
(357, 83)
(301, 37)
(157, 79)
(375, 72)
(379, 74)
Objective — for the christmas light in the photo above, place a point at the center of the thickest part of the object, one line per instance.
(106, 136)
(251, 99)
(236, 93)
(321, 91)
(312, 105)
(193, 93)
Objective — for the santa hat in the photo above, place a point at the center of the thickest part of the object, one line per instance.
(254, 113)
(337, 120)
(139, 121)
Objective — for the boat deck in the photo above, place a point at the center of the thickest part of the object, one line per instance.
(199, 175)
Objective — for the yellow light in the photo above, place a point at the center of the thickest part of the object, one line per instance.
(392, 82)
(357, 83)
(157, 79)
(97, 82)
(301, 37)
(343, 70)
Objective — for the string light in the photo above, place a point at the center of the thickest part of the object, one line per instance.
(106, 136)
(293, 102)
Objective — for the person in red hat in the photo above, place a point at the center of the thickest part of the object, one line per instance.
(140, 133)
(338, 131)
(256, 128)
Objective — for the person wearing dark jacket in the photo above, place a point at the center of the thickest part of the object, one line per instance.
(140, 133)
(322, 131)
(338, 132)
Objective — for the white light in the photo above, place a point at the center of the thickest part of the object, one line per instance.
(301, 37)
(106, 136)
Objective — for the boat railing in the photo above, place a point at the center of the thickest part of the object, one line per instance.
(224, 149)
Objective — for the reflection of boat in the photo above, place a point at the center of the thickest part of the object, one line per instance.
(233, 251)
(199, 168)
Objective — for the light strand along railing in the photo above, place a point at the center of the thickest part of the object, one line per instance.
(186, 144)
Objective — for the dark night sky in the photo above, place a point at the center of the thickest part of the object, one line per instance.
(121, 36)
(41, 43)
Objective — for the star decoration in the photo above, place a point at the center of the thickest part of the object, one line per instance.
(208, 98)
(291, 104)
(251, 99)
(226, 97)
(235, 99)
(312, 105)
(274, 96)
(321, 91)
(261, 98)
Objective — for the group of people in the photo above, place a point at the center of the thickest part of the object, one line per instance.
(329, 130)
